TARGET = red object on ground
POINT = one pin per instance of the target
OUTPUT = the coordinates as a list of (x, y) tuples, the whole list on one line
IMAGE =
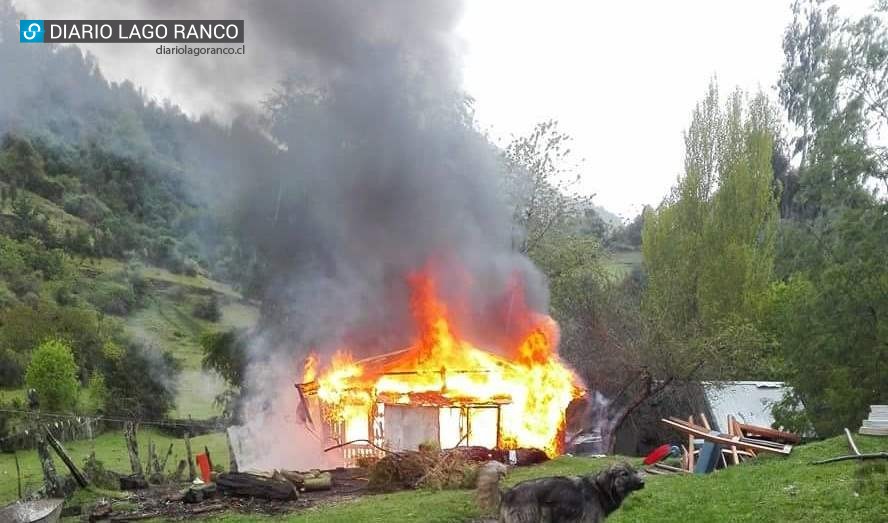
[(203, 461), (657, 454)]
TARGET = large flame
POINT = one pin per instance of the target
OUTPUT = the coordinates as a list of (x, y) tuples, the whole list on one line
[(529, 383)]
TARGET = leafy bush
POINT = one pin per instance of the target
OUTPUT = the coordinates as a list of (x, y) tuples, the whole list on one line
[(11, 368), (112, 297), (25, 327), (226, 353), (7, 297), (208, 309), (141, 382), (86, 206), (53, 374)]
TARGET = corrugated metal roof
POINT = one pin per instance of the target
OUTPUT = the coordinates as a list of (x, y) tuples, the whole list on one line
[(748, 401)]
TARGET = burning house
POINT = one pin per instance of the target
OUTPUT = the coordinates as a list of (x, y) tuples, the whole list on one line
[(442, 389)]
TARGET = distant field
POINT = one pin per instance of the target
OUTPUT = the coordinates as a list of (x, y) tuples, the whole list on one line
[(111, 450), (621, 263)]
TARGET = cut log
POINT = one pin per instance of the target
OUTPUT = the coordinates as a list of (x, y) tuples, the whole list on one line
[(253, 486), (306, 481), (66, 459), (323, 481)]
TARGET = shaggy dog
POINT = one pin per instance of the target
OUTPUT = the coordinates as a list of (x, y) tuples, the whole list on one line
[(581, 499)]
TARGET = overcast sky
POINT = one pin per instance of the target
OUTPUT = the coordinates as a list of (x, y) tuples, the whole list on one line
[(621, 77)]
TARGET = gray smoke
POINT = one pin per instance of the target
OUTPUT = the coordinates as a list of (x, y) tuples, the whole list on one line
[(374, 171)]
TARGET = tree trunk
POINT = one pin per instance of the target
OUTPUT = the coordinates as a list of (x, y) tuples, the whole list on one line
[(132, 448), (53, 483)]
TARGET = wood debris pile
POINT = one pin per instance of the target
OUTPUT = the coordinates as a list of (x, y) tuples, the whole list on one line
[(708, 449)]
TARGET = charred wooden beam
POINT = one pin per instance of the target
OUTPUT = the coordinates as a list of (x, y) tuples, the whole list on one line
[(255, 486)]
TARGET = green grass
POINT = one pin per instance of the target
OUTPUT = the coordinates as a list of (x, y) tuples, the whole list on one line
[(767, 489), (111, 450), (7, 395), (621, 263)]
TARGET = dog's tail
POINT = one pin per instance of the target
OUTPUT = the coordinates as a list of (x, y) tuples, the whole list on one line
[(489, 476)]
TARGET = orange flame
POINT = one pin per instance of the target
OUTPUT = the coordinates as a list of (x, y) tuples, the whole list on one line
[(531, 386)]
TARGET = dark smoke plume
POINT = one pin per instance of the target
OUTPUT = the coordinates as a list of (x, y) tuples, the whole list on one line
[(373, 170)]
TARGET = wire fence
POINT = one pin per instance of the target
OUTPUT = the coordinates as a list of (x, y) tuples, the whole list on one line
[(21, 470)]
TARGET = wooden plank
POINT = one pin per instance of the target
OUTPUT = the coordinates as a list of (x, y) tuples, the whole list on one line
[(670, 468), (691, 446), (769, 433), (734, 455), (851, 442), (709, 456), (724, 439), (705, 421)]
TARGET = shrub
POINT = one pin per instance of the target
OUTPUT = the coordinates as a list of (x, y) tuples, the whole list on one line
[(113, 298), (53, 374), (141, 382), (11, 369), (208, 309), (86, 206)]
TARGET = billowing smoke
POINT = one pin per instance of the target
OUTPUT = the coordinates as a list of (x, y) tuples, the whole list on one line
[(380, 174), (374, 171)]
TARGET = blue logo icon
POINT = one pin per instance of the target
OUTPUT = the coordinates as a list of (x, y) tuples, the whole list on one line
[(30, 31)]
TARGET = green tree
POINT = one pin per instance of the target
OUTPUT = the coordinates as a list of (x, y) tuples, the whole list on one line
[(708, 249), (53, 374), (538, 184), (828, 312)]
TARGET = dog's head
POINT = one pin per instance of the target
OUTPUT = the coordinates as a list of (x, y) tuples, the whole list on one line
[(625, 479)]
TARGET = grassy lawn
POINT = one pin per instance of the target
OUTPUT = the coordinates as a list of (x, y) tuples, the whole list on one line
[(768, 489), (111, 450)]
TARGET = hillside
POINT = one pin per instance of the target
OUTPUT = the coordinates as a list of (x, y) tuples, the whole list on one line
[(163, 317)]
